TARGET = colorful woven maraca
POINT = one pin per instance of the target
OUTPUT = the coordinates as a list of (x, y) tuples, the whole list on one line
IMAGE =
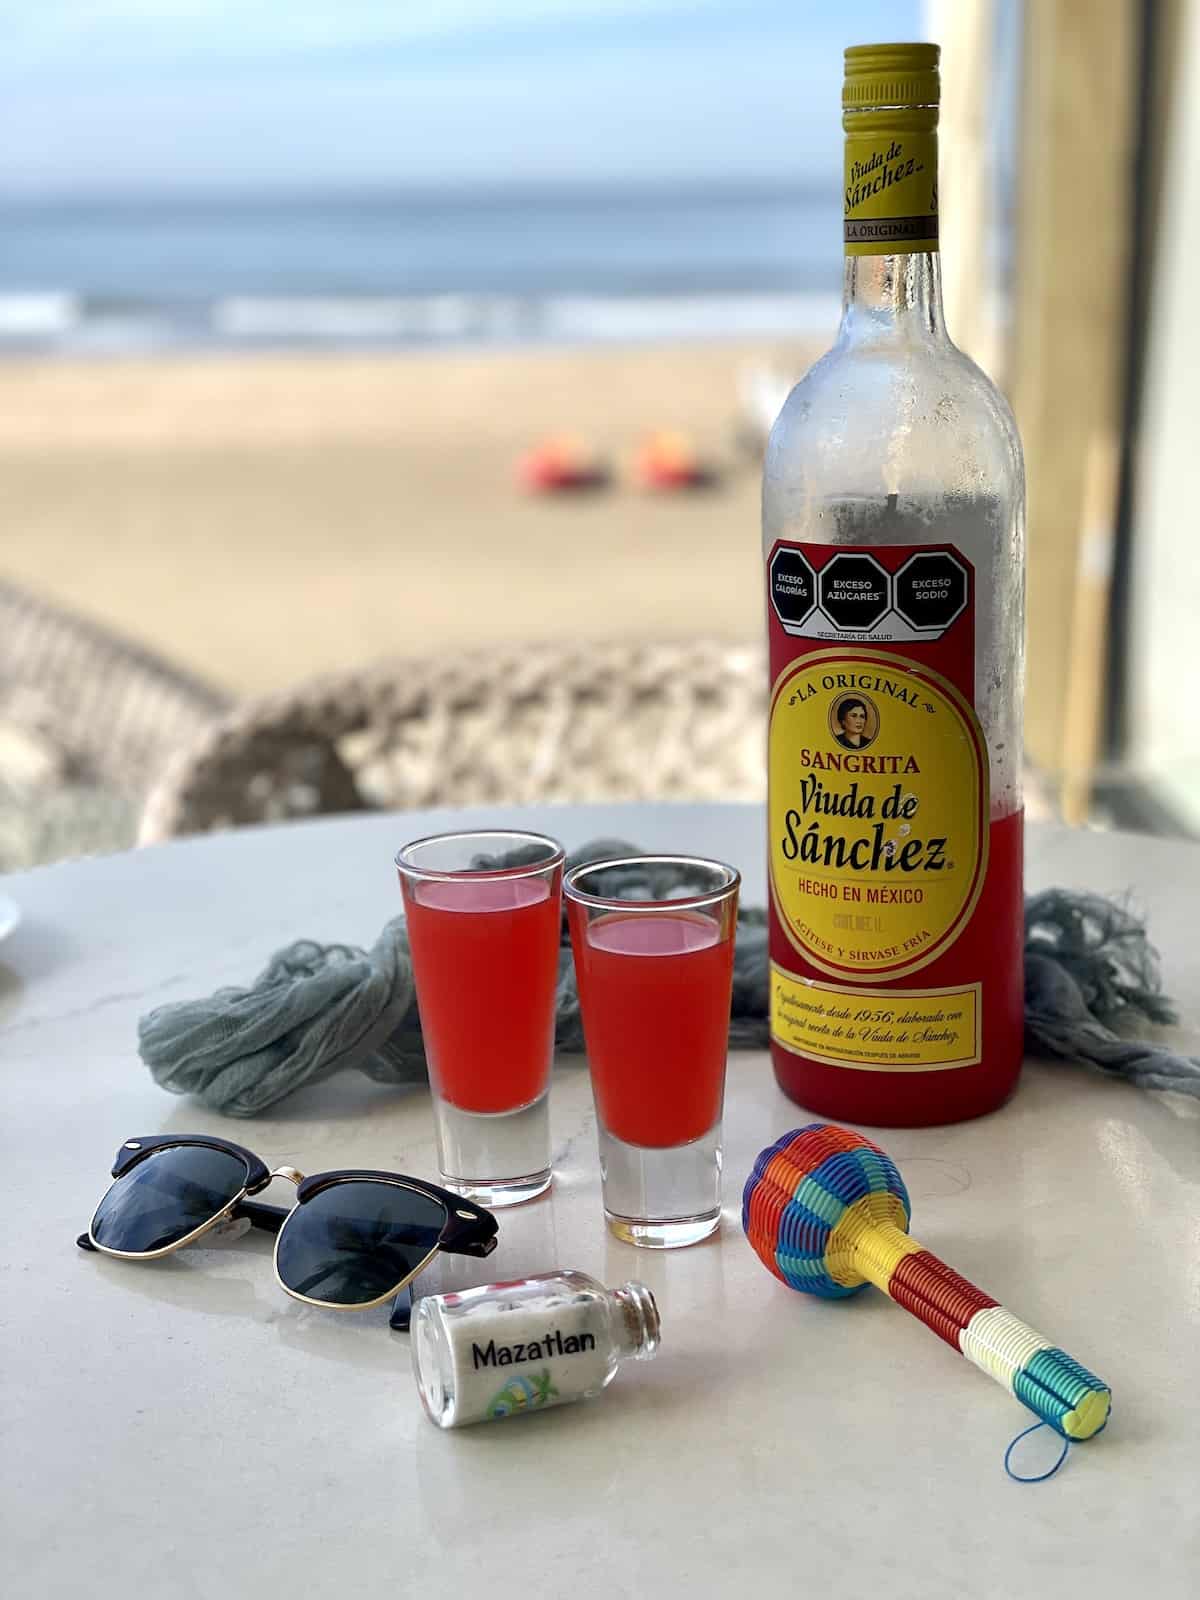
[(827, 1211)]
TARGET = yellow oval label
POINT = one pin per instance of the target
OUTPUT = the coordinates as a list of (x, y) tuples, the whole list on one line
[(878, 811)]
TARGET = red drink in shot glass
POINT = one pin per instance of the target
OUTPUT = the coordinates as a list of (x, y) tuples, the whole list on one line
[(484, 916), (653, 939)]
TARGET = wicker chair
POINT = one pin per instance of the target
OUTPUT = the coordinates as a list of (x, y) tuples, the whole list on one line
[(87, 721), (512, 725)]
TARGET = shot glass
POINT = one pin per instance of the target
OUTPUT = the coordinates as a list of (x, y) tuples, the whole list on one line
[(484, 914), (653, 941)]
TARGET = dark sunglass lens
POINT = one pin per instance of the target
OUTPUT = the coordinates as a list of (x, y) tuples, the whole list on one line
[(356, 1241), (167, 1196)]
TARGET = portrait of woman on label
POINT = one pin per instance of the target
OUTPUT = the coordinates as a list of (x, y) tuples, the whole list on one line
[(853, 721)]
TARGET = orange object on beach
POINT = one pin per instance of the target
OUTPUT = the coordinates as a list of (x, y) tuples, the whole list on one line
[(561, 462), (668, 460)]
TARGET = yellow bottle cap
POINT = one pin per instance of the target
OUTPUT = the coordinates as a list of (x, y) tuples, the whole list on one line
[(882, 76)]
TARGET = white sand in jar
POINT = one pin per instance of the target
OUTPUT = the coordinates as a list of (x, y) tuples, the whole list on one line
[(513, 1348)]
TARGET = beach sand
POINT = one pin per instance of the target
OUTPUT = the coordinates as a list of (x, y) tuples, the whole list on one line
[(261, 519)]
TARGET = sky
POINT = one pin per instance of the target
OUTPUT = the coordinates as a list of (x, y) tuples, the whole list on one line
[(106, 97)]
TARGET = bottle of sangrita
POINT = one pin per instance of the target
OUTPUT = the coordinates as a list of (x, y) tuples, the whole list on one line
[(893, 537)]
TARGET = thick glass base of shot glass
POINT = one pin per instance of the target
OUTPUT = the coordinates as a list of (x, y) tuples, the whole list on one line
[(498, 1158), (659, 1198)]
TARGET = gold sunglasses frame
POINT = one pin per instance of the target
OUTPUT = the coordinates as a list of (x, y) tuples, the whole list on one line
[(249, 1188)]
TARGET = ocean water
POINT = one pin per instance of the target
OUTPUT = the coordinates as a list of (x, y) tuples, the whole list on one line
[(417, 270)]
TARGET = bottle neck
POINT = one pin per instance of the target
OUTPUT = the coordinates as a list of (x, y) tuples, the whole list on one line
[(893, 286), (634, 1321), (897, 297)]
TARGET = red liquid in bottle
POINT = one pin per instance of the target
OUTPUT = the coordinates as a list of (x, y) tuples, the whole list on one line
[(655, 991), (485, 955), (991, 948)]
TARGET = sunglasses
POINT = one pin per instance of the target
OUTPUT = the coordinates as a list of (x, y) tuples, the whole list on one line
[(352, 1240)]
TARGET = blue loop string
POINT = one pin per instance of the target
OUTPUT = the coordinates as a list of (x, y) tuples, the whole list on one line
[(1041, 1476)]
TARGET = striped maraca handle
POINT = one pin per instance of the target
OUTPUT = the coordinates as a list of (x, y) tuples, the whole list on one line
[(1043, 1377)]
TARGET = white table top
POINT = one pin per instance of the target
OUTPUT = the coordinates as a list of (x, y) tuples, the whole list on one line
[(188, 1427)]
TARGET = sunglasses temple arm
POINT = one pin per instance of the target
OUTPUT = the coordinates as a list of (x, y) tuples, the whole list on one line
[(402, 1307), (269, 1218), (473, 1247)]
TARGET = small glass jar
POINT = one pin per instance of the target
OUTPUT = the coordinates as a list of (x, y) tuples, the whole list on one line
[(511, 1348)]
